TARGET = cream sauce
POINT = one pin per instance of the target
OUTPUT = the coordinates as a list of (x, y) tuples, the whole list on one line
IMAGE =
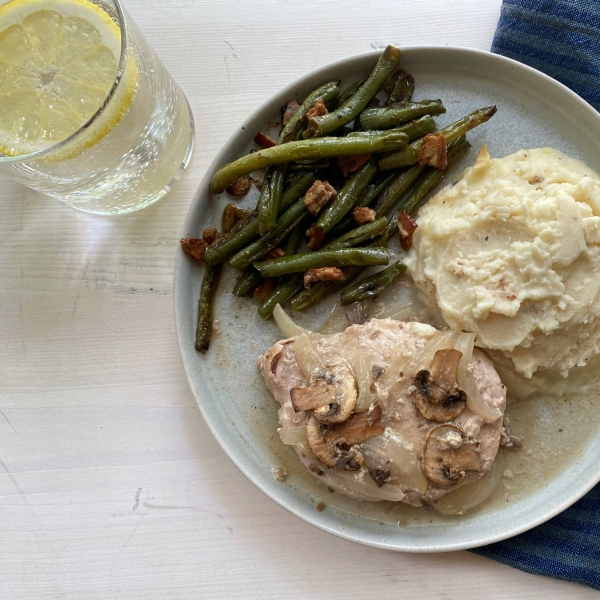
[(554, 430)]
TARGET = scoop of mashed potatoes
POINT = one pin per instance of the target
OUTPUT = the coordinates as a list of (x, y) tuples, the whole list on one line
[(511, 252)]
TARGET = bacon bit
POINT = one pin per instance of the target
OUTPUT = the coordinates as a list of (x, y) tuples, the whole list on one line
[(316, 235), (349, 164), (195, 247), (210, 234), (264, 290), (318, 110), (288, 111), (323, 274), (363, 214), (406, 228), (264, 141), (318, 195), (241, 186), (433, 151), (275, 253)]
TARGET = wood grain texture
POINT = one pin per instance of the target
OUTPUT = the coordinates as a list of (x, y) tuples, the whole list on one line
[(111, 485)]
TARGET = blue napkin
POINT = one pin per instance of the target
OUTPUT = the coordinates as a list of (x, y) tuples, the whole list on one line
[(562, 39), (558, 37), (565, 547)]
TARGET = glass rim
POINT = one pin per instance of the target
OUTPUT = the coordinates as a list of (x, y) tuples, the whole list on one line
[(4, 158)]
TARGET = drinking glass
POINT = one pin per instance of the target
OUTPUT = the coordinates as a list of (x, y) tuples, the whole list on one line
[(134, 147)]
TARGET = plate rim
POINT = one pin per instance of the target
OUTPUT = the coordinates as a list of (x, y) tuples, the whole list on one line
[(180, 256)]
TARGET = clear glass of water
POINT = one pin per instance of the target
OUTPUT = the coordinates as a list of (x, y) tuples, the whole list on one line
[(129, 150)]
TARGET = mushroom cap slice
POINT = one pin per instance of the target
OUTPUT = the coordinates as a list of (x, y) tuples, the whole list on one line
[(331, 393), (336, 445), (437, 395), (448, 454)]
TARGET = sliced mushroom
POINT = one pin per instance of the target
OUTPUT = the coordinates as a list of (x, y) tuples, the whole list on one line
[(380, 475), (448, 454), (437, 395), (336, 446), (507, 440), (331, 393)]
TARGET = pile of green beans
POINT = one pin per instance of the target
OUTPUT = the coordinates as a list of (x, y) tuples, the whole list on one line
[(375, 118)]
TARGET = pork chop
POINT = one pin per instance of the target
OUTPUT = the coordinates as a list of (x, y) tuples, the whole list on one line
[(428, 425)]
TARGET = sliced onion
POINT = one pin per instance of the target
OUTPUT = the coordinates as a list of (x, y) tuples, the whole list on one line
[(364, 378), (470, 495), (440, 340), (403, 313), (307, 355), (289, 328), (293, 435), (466, 381), (392, 450), (401, 302)]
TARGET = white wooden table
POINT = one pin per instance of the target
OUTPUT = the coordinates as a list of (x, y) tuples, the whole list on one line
[(111, 485)]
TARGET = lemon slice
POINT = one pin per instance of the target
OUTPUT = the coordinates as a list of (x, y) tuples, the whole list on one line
[(58, 62)]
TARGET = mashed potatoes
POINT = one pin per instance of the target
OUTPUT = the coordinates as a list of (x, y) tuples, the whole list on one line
[(512, 253)]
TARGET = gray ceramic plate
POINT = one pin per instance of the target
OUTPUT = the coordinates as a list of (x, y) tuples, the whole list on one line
[(533, 111)]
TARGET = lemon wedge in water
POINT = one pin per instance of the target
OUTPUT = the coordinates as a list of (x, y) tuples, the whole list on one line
[(58, 62)]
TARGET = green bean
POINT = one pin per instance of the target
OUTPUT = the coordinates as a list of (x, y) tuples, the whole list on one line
[(312, 165), (347, 197), (414, 130), (263, 206), (429, 179), (246, 231), (375, 189), (286, 288), (291, 243), (247, 283), (229, 218), (390, 116), (350, 91), (357, 236), (297, 187), (316, 292), (403, 88), (371, 286), (270, 197), (328, 92), (346, 257), (418, 128), (286, 222), (293, 283), (287, 285), (310, 296), (409, 155), (204, 328), (242, 213), (372, 193), (397, 188), (319, 126), (344, 131), (305, 150)]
